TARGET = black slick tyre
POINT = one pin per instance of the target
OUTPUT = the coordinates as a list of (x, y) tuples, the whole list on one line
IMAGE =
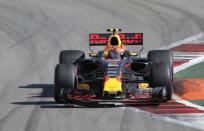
[(65, 78), (160, 76), (161, 71)]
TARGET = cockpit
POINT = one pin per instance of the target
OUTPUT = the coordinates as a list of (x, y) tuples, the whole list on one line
[(114, 41)]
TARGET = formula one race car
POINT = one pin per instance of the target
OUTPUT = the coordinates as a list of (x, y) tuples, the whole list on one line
[(115, 73)]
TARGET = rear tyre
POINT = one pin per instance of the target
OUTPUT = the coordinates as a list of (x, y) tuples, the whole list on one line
[(161, 72), (65, 78), (70, 56)]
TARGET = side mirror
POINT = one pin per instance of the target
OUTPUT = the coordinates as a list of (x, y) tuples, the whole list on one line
[(133, 54), (93, 54)]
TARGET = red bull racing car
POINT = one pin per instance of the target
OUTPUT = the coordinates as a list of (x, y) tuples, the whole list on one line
[(114, 73)]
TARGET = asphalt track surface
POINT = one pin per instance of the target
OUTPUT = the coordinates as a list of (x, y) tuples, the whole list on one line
[(32, 32)]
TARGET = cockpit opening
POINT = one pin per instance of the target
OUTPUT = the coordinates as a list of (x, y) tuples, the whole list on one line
[(114, 41)]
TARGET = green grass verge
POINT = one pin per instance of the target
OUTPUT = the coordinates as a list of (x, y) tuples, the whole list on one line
[(198, 102)]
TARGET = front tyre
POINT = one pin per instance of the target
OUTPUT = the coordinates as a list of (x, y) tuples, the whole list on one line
[(160, 76), (65, 77)]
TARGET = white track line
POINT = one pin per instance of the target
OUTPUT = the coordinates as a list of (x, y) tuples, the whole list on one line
[(189, 64), (186, 40), (165, 118)]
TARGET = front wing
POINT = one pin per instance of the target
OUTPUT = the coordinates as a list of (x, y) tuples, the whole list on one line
[(82, 95)]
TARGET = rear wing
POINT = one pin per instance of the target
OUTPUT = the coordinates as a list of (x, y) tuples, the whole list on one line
[(126, 38)]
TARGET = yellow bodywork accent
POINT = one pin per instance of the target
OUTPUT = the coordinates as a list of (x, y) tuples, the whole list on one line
[(93, 54), (133, 54), (143, 85), (112, 85), (83, 86)]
